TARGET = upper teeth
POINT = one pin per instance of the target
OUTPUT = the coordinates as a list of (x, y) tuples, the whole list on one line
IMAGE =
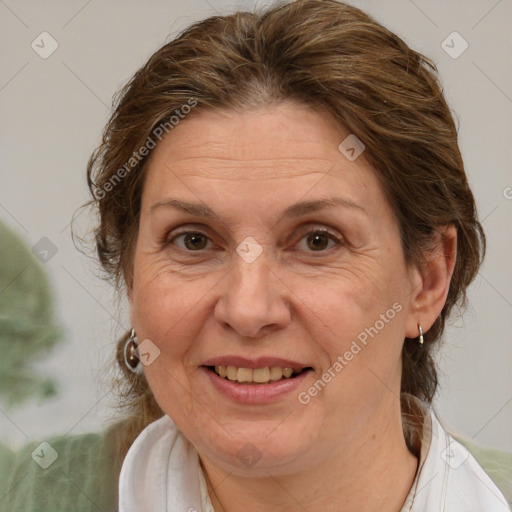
[(259, 375)]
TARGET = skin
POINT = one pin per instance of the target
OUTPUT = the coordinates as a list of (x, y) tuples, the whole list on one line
[(345, 448)]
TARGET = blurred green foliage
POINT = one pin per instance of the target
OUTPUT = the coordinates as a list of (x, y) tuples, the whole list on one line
[(28, 330)]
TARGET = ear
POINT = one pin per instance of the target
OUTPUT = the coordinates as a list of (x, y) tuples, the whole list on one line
[(432, 281)]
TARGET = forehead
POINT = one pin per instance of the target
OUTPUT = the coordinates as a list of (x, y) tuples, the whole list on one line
[(289, 150)]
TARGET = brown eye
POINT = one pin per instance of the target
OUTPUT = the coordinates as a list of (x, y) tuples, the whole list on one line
[(193, 241), (318, 240)]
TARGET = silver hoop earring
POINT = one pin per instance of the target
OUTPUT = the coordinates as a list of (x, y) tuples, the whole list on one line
[(421, 334), (131, 359)]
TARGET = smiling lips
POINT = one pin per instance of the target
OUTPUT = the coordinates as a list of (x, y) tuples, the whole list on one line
[(255, 381), (256, 375), (258, 371)]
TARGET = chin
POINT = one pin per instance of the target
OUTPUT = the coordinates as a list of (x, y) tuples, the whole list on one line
[(257, 448)]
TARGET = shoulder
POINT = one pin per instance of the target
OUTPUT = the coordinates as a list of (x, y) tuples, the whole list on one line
[(455, 480), (496, 464), (78, 472)]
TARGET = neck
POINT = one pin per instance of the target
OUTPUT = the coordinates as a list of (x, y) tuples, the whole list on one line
[(374, 473)]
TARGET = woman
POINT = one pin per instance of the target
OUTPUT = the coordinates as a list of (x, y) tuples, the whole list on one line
[(283, 199)]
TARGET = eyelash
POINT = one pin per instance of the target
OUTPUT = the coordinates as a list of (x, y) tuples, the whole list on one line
[(185, 231)]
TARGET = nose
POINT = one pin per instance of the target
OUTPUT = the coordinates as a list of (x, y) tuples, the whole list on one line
[(254, 299)]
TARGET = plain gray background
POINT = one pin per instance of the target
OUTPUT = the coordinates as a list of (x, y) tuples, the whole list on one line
[(53, 111)]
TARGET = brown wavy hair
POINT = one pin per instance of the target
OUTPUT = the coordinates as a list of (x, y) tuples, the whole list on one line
[(326, 55)]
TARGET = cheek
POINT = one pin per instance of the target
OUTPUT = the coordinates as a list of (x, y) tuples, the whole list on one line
[(342, 301), (356, 310), (164, 310), (163, 305)]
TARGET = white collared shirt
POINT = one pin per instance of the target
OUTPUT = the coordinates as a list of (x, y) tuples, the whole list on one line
[(449, 479), (161, 473)]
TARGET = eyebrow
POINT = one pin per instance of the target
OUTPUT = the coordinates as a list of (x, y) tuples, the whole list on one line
[(295, 210)]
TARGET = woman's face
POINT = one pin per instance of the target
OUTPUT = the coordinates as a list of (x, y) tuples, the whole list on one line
[(258, 274)]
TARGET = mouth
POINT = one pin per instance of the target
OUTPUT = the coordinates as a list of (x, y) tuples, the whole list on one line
[(256, 381), (257, 376)]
